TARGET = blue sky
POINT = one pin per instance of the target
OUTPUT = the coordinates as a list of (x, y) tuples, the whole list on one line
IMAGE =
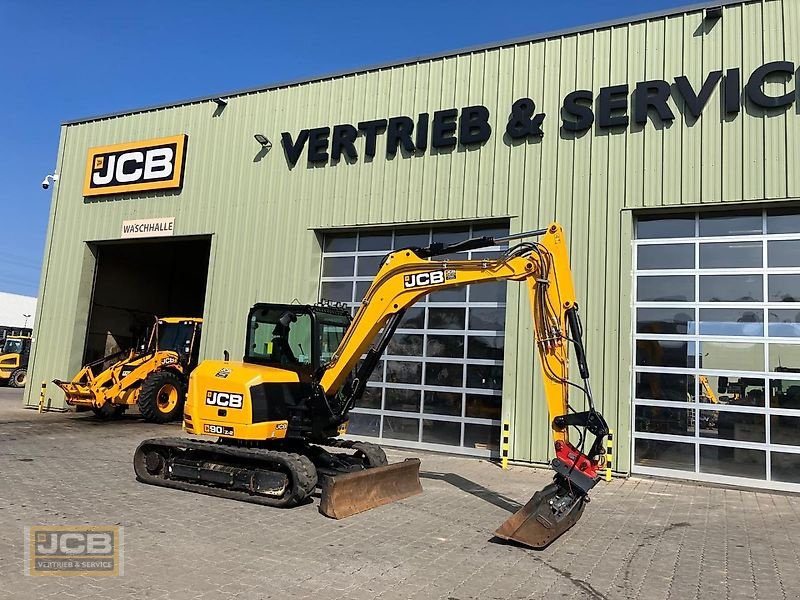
[(64, 60)]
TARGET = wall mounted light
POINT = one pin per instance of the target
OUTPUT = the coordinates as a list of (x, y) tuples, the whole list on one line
[(713, 13), (264, 141), (221, 102)]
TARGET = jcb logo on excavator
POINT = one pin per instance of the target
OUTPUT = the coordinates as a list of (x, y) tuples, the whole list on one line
[(420, 279), (223, 399), (429, 278)]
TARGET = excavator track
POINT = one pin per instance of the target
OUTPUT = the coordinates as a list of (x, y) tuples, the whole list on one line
[(259, 476)]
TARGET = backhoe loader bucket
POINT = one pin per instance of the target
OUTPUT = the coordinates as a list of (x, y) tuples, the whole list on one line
[(538, 523), (350, 493), (75, 392)]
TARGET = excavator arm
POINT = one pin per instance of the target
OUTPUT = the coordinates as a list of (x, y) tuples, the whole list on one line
[(407, 275)]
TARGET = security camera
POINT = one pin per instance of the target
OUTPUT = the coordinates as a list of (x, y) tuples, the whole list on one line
[(46, 180)]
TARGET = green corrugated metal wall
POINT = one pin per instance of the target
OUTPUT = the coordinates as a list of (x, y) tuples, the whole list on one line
[(261, 213)]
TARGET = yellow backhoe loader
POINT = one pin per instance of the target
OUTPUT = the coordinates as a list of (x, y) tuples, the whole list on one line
[(14, 360), (304, 367), (153, 376)]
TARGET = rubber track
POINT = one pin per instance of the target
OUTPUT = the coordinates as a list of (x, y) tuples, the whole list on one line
[(301, 471), (374, 454)]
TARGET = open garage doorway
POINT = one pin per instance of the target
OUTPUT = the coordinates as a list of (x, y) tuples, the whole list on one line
[(137, 281)]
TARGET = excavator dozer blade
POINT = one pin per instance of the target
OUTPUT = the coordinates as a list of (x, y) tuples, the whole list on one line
[(350, 493), (535, 524)]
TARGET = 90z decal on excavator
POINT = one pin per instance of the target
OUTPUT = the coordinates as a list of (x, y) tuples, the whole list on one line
[(217, 429), (429, 278), (223, 399)]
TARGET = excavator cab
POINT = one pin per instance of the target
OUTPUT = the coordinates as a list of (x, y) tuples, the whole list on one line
[(292, 336)]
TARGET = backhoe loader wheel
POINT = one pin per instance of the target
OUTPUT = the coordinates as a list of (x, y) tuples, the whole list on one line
[(108, 411), (18, 378), (161, 397)]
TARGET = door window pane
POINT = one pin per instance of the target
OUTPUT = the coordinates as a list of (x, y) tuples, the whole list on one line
[(727, 425), (445, 346), (375, 241), (411, 239), (665, 256), (338, 266), (337, 291), (655, 227), (361, 289), (786, 467), (784, 355), (784, 288), (480, 406), (488, 377), (413, 319), (487, 347), (738, 462), (665, 288), (736, 391), (663, 419), (402, 399), (340, 243), (726, 224), (401, 428), (443, 403), (783, 253), (488, 292), (664, 320), (403, 372), (444, 374), (368, 265), (446, 318), (731, 356), (484, 437), (784, 430), (441, 432), (665, 386), (450, 236), (731, 321), (664, 455), (785, 393), (371, 398), (731, 288), (783, 221), (664, 353), (492, 319), (730, 255), (784, 323), (458, 294), (363, 424), (405, 344)]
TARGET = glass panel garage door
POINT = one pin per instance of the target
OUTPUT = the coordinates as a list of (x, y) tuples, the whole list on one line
[(717, 347), (439, 383)]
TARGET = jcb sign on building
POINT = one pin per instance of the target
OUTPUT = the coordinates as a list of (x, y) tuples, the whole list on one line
[(135, 166)]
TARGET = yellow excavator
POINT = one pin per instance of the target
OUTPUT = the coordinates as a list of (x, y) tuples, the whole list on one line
[(274, 413), (14, 355), (154, 376)]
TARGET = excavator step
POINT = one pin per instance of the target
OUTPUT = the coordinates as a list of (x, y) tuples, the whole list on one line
[(347, 494), (547, 515)]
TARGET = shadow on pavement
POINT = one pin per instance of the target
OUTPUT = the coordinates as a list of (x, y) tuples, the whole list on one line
[(475, 489)]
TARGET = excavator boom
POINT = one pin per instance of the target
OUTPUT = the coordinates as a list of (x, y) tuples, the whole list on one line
[(407, 275)]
